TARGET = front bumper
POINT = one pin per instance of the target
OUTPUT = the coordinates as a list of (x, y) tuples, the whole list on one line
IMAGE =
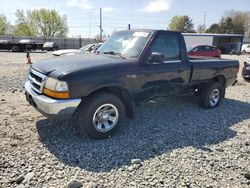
[(48, 106)]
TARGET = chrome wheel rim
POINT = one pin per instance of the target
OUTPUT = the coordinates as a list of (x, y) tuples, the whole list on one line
[(105, 118), (214, 97)]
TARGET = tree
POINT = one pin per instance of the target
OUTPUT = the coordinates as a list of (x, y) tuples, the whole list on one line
[(214, 28), (182, 24), (201, 29), (49, 23), (24, 25), (3, 24), (226, 25), (43, 22), (233, 22), (241, 21)]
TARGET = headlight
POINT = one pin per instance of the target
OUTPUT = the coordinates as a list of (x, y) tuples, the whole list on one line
[(56, 85), (56, 89)]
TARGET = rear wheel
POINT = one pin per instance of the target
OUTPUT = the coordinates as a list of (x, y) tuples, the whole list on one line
[(211, 95), (15, 48), (100, 116)]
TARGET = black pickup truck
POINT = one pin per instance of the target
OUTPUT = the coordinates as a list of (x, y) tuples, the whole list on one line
[(131, 67)]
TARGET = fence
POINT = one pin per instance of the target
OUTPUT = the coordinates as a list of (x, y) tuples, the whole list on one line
[(63, 43)]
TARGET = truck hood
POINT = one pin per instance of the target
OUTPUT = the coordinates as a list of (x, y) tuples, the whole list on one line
[(58, 66)]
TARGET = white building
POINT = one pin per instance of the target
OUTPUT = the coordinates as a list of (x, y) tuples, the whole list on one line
[(227, 43)]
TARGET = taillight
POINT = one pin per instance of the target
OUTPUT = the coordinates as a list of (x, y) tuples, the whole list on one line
[(238, 69)]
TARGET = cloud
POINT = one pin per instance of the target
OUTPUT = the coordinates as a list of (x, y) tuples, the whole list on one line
[(157, 6), (83, 4), (108, 9)]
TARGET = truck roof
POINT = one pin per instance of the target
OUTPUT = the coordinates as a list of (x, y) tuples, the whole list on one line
[(151, 30)]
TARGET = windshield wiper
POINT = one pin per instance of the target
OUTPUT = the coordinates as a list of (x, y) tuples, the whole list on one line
[(114, 53)]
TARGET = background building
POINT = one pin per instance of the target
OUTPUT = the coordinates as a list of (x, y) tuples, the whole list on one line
[(227, 43)]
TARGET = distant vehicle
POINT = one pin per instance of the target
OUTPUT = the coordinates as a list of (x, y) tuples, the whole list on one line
[(21, 46), (50, 46), (246, 69), (94, 48), (205, 50), (245, 48), (89, 48)]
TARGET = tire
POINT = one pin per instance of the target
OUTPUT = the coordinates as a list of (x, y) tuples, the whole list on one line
[(211, 95), (15, 48), (89, 116), (54, 49), (246, 79)]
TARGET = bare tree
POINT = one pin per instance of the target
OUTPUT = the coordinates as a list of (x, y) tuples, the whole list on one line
[(24, 25), (43, 22), (49, 23), (3, 24)]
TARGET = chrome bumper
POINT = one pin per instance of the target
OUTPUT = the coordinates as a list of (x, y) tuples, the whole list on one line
[(50, 107)]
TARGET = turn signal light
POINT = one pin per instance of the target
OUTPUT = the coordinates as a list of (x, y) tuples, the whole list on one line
[(55, 94)]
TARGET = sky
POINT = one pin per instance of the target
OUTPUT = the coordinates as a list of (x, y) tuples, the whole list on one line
[(83, 15)]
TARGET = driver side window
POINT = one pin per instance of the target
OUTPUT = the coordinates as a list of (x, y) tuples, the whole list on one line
[(168, 45)]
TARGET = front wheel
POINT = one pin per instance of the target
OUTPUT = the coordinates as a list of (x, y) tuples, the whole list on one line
[(211, 95), (246, 79), (100, 116)]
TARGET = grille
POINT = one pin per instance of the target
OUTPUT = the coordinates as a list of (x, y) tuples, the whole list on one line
[(36, 80)]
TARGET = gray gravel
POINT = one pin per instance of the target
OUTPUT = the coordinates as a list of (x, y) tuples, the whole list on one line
[(170, 143)]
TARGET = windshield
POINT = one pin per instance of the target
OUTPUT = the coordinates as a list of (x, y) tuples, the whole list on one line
[(126, 43)]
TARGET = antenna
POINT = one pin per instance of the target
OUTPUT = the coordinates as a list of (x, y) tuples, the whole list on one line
[(101, 25), (129, 26)]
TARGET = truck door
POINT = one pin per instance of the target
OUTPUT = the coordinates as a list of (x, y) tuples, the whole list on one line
[(169, 77)]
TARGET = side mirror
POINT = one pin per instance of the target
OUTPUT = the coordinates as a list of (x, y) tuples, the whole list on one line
[(157, 57)]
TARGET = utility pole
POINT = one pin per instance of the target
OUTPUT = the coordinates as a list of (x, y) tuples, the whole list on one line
[(100, 24), (90, 22), (204, 25)]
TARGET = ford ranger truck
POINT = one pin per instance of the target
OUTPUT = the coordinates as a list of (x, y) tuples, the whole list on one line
[(132, 66)]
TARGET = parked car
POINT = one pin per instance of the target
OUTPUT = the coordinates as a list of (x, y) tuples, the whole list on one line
[(205, 50), (246, 69), (132, 66), (84, 49), (87, 49), (50, 46), (245, 48)]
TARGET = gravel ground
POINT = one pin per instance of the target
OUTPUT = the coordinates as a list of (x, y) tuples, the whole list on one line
[(170, 143)]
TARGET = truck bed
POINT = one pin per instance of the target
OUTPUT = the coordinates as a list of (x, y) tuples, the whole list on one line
[(203, 69)]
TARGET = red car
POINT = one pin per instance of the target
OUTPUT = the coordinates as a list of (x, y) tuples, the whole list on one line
[(205, 50)]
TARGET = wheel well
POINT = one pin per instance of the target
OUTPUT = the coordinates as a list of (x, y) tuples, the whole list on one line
[(119, 92), (123, 94), (221, 79)]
